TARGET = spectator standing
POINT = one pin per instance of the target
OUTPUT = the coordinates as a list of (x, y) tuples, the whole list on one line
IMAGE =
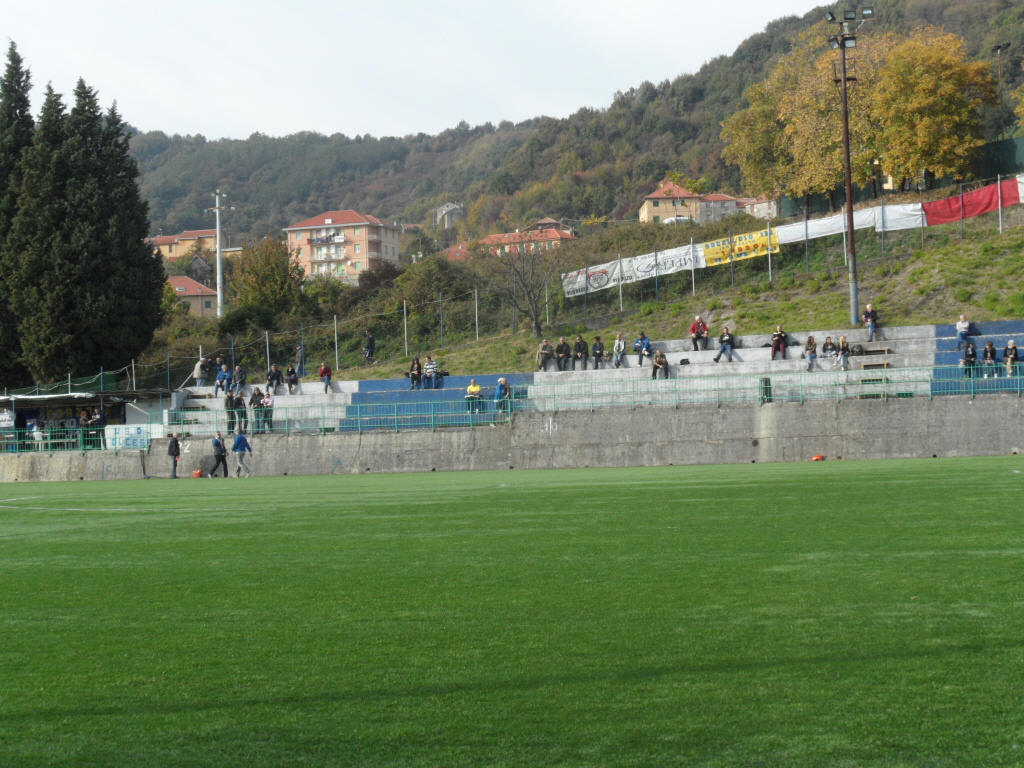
[(1011, 356), (597, 352), (200, 371), (659, 363), (580, 353), (174, 451), (544, 354), (563, 353), (643, 349), (810, 352), (431, 374), (229, 411), (473, 396), (256, 405), (291, 378), (618, 351), (725, 344), (415, 374), (274, 379), (963, 327), (241, 414), (240, 447), (870, 320), (779, 342), (698, 333), (325, 373), (220, 455), (970, 359), (300, 360), (843, 353), (268, 412), (502, 396)]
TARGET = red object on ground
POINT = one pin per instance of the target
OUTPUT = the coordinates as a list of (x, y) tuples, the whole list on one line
[(819, 457), (197, 473)]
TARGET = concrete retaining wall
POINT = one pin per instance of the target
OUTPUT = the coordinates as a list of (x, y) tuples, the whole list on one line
[(850, 429)]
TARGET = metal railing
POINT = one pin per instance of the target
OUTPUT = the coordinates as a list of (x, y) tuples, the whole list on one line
[(52, 440)]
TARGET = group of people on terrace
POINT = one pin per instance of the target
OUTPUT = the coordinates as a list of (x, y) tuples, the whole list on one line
[(989, 357)]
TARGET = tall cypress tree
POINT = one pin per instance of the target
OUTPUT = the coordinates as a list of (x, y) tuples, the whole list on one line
[(16, 127), (87, 288)]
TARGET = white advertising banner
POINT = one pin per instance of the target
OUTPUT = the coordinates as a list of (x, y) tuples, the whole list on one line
[(643, 267)]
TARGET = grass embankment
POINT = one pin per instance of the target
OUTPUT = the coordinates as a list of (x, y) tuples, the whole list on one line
[(797, 615)]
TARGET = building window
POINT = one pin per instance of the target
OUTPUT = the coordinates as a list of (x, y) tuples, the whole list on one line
[(207, 305), (657, 219), (357, 230), (359, 265), (655, 202), (359, 248)]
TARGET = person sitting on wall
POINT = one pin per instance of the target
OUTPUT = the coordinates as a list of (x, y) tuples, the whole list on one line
[(291, 378), (963, 328), (643, 348), (988, 358), (580, 353), (810, 352), (828, 349), (659, 363), (725, 344), (415, 374), (474, 398), (431, 374), (325, 373), (619, 351), (843, 353), (1011, 356), (274, 379), (223, 380), (698, 333), (563, 353), (597, 352), (779, 342)]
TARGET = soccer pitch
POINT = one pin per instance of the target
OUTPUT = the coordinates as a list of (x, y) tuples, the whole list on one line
[(830, 614)]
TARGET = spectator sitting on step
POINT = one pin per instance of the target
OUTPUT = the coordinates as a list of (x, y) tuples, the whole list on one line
[(415, 374), (1011, 356), (597, 352), (988, 357), (725, 344), (963, 327), (870, 320), (810, 352), (274, 379), (563, 353), (618, 351), (223, 381), (779, 342), (238, 380), (828, 349), (643, 348), (698, 333), (431, 374), (969, 360), (843, 353), (291, 378), (580, 353), (544, 354), (659, 363)]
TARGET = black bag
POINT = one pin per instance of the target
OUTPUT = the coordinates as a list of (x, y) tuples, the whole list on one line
[(685, 361), (857, 349)]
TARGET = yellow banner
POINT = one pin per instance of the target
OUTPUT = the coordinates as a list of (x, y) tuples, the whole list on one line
[(746, 246)]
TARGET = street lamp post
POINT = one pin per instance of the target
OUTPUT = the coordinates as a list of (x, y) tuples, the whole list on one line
[(843, 40), (217, 208)]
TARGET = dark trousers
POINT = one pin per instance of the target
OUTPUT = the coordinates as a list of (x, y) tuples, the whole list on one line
[(219, 460), (582, 361), (699, 342), (563, 363), (779, 346)]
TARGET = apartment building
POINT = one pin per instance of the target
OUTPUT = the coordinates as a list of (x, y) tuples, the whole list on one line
[(342, 244), (171, 247)]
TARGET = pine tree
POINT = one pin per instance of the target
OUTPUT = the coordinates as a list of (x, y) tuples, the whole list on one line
[(86, 288), (16, 127)]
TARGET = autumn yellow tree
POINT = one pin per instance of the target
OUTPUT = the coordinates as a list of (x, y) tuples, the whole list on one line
[(266, 275), (928, 100)]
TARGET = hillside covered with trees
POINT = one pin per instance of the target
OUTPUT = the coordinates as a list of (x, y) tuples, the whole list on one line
[(595, 163)]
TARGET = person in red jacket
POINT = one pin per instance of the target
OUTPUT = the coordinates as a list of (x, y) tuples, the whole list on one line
[(699, 333), (325, 373)]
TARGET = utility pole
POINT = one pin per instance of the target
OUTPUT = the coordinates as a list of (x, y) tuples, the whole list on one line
[(218, 196)]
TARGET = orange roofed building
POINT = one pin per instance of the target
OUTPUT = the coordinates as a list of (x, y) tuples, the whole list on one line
[(673, 203), (173, 246), (201, 301), (343, 244), (542, 235)]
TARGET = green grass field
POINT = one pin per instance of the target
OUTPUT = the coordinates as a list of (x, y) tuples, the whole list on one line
[(836, 614)]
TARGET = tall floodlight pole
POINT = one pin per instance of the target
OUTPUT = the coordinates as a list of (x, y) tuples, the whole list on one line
[(220, 263), (843, 40)]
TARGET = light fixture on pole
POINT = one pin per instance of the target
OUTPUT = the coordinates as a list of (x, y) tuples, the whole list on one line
[(847, 38)]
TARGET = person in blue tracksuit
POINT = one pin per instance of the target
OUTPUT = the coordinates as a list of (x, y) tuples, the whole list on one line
[(239, 448)]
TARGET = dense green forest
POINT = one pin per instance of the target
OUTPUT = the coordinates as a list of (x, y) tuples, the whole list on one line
[(595, 163)]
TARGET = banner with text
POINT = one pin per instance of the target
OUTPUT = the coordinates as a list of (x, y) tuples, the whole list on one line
[(643, 267), (746, 246)]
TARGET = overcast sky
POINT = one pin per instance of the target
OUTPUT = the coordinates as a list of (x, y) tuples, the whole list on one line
[(387, 68)]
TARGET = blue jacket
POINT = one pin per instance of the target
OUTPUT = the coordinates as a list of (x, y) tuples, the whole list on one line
[(224, 376), (241, 445), (218, 447), (501, 391), (642, 345)]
